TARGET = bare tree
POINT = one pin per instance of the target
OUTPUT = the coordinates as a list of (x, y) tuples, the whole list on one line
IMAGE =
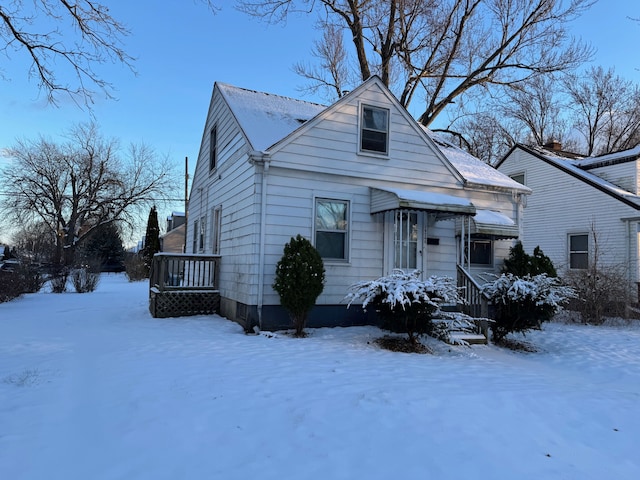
[(75, 187), (34, 30), (438, 51), (333, 72), (606, 110), (484, 135), (537, 105)]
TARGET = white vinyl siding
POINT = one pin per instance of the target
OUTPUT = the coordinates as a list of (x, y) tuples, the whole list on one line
[(213, 148), (320, 161), (561, 205)]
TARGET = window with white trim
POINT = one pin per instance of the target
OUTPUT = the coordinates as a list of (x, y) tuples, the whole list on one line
[(332, 228), (374, 129), (579, 251)]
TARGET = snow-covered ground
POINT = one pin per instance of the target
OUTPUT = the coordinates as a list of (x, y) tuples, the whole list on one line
[(92, 388)]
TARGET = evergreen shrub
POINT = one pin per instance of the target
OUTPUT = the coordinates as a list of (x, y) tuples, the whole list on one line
[(521, 264), (523, 303), (299, 280), (403, 302)]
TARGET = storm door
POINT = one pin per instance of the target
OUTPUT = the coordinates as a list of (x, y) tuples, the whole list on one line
[(405, 252)]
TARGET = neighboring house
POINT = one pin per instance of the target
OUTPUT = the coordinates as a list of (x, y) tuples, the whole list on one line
[(361, 179), (580, 207), (174, 239)]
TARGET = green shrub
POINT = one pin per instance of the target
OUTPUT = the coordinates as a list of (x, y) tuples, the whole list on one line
[(524, 303), (403, 302), (521, 264), (299, 280)]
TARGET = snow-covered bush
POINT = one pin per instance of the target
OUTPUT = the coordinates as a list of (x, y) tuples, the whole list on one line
[(523, 303), (299, 280), (85, 279), (403, 302), (19, 280), (59, 280)]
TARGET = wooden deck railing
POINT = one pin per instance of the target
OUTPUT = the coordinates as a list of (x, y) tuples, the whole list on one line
[(182, 272), (183, 284)]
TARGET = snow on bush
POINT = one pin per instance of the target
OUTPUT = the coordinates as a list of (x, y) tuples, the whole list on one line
[(525, 302), (403, 302)]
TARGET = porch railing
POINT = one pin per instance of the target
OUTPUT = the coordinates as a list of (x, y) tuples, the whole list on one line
[(475, 303), (183, 284)]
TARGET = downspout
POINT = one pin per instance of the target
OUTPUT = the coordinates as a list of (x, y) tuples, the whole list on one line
[(260, 158), (633, 266), (631, 247)]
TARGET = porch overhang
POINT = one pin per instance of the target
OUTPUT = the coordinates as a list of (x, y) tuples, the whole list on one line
[(384, 199), (493, 224)]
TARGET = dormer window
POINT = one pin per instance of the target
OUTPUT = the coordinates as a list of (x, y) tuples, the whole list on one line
[(374, 131)]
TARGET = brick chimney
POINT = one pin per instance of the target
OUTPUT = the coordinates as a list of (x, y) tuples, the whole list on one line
[(553, 145)]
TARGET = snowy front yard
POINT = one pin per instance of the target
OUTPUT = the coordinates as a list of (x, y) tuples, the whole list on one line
[(92, 387)]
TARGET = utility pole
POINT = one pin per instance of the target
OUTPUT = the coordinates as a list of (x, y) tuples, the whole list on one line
[(186, 202)]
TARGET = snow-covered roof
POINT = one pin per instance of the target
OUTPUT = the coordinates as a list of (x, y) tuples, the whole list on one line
[(610, 158), (474, 170), (574, 169), (386, 198), (267, 118), (490, 222)]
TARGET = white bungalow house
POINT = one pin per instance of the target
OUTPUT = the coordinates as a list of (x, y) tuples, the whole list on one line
[(580, 205), (370, 188)]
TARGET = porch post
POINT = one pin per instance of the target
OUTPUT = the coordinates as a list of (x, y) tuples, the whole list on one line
[(469, 243)]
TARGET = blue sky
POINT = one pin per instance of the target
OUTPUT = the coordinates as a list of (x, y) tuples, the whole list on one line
[(182, 49)]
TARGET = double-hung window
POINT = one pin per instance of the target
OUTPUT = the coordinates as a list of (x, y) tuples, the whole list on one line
[(332, 228), (374, 131), (579, 251)]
